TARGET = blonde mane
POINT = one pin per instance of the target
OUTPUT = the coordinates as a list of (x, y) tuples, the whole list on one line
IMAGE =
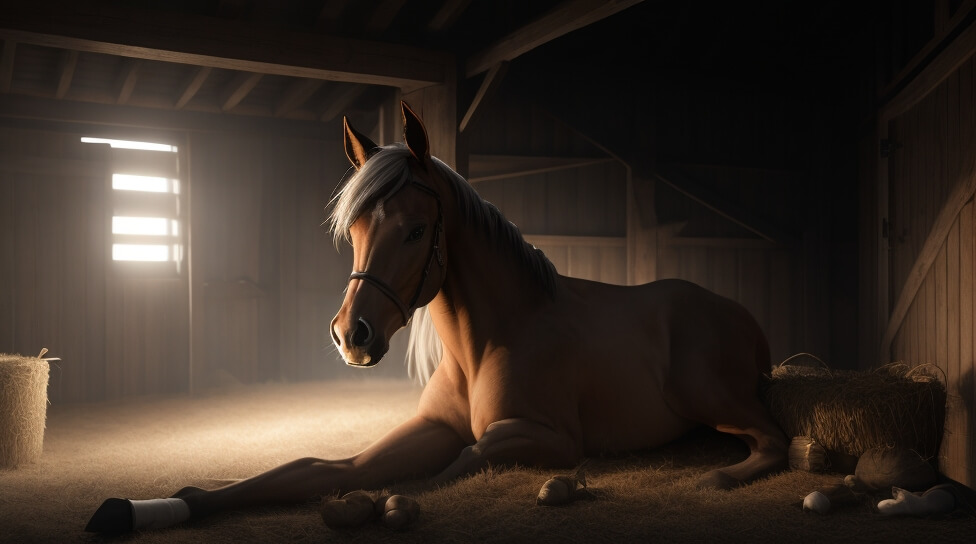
[(382, 176)]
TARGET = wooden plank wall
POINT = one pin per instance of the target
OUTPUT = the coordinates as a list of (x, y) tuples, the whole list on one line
[(765, 280), (146, 328), (936, 141), (267, 277), (578, 216), (118, 331), (313, 271), (52, 275), (760, 152)]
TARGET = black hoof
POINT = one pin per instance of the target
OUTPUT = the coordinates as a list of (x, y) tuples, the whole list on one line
[(114, 516)]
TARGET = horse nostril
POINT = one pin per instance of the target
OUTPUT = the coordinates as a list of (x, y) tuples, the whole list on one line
[(335, 336), (363, 334)]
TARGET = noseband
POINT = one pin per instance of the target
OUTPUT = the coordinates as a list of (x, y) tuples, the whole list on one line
[(435, 253)]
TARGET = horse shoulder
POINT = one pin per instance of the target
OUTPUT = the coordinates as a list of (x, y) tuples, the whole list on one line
[(445, 399)]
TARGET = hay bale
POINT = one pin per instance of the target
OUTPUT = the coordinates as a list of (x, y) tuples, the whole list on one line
[(850, 412), (23, 409), (806, 454)]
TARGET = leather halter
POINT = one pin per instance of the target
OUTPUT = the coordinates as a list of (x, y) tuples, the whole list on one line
[(435, 253)]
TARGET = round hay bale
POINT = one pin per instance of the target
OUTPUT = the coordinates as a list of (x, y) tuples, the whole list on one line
[(850, 412), (23, 409), (881, 468)]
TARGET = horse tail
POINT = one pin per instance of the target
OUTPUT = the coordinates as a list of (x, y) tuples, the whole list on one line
[(424, 347)]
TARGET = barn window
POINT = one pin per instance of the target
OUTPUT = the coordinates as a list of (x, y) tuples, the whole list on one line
[(145, 203)]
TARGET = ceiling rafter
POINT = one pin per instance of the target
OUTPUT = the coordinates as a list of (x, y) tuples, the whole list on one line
[(489, 87), (255, 38), (237, 89), (569, 16), (447, 15), (340, 101), (128, 77), (69, 61), (328, 18), (192, 86), (494, 167), (297, 94), (227, 44), (383, 15), (724, 207)]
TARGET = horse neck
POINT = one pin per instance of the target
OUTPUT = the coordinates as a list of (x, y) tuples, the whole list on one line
[(486, 284)]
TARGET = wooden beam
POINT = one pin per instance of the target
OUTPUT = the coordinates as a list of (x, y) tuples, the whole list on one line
[(237, 89), (7, 64), (383, 13), (492, 167), (297, 94), (719, 242), (669, 237), (447, 15), (192, 86), (575, 241), (569, 16), (328, 19), (489, 87), (340, 101), (916, 86), (69, 60), (128, 76), (729, 210), (16, 108), (226, 44), (965, 188), (757, 172)]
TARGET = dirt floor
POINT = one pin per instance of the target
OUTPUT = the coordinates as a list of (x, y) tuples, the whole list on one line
[(152, 447)]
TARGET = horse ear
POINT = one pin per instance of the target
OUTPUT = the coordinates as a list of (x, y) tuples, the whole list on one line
[(414, 134), (359, 148)]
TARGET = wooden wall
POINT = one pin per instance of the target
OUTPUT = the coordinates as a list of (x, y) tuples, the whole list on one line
[(267, 279), (118, 330), (577, 217), (52, 275), (931, 240), (597, 222)]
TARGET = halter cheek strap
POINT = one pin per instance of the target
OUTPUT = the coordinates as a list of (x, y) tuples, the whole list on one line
[(435, 253)]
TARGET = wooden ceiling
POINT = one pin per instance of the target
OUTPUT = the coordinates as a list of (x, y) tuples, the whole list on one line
[(300, 60)]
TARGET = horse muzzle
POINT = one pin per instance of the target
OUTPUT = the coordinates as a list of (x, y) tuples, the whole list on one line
[(359, 344)]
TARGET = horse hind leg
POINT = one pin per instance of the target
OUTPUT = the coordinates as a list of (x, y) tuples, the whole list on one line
[(750, 421)]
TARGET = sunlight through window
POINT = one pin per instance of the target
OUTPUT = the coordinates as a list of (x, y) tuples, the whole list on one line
[(140, 252), (128, 182), (146, 207), (128, 144), (154, 226)]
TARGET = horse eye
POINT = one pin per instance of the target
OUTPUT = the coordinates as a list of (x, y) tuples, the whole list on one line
[(415, 234)]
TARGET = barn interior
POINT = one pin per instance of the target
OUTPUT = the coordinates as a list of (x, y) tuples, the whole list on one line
[(814, 162)]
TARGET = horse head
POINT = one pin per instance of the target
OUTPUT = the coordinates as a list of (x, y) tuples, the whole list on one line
[(391, 213)]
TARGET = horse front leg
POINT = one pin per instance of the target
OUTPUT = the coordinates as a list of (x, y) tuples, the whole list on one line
[(415, 449), (514, 441)]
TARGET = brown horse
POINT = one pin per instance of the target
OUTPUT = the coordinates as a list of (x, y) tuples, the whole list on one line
[(536, 368)]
